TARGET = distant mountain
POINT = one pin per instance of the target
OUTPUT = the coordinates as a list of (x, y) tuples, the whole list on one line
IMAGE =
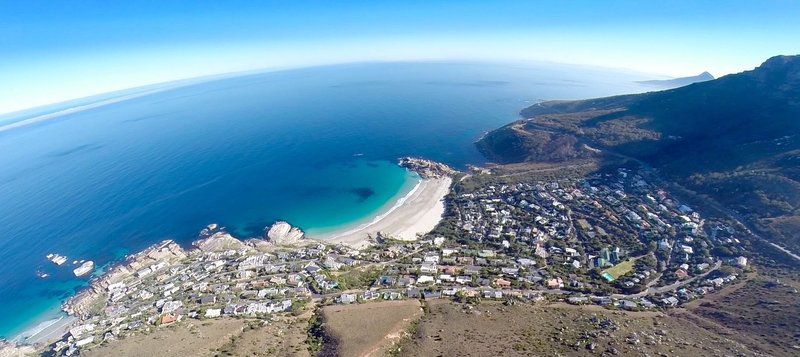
[(736, 138), (678, 82)]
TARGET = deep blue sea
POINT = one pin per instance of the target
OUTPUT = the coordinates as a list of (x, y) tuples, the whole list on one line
[(316, 147)]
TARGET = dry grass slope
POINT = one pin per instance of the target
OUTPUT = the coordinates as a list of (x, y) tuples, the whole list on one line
[(282, 336), (369, 329), (182, 339), (492, 329)]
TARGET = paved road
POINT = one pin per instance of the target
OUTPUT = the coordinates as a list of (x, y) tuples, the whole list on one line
[(787, 251)]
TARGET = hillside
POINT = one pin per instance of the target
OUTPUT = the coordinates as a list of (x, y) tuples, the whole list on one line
[(734, 138), (493, 329)]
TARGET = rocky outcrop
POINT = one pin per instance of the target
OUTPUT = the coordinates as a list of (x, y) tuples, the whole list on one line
[(210, 229), (282, 233), (427, 169), (261, 245), (85, 303), (11, 349), (220, 241), (167, 250)]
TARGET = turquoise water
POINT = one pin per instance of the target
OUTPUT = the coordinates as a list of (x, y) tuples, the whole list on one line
[(316, 147)]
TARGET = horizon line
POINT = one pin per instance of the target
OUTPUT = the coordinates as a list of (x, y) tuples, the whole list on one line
[(178, 83)]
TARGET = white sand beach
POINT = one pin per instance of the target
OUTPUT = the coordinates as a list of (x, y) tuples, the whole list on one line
[(416, 213), (47, 332)]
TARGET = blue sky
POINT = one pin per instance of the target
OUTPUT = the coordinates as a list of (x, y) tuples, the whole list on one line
[(52, 51)]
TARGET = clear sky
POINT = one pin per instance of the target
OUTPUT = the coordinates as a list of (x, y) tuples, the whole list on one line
[(53, 50)]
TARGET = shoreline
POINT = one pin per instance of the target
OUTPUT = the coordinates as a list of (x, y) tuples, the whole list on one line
[(338, 233), (415, 213), (47, 331), (418, 212)]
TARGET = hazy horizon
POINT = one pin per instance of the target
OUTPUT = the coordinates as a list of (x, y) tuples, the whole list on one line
[(144, 89), (61, 51)]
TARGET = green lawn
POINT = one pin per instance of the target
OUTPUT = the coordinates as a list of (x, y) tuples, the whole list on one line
[(620, 269)]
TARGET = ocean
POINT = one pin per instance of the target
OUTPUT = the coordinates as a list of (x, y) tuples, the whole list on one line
[(316, 147)]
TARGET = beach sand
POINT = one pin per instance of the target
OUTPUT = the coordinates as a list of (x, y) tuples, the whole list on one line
[(416, 213), (47, 332)]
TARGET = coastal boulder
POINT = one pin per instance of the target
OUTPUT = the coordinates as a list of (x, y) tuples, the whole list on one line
[(220, 241), (282, 233)]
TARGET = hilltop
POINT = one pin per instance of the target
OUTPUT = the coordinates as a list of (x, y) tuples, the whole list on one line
[(734, 139)]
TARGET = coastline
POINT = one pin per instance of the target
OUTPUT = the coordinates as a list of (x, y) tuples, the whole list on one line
[(325, 233), (414, 213), (368, 221), (418, 212), (46, 332), (34, 328)]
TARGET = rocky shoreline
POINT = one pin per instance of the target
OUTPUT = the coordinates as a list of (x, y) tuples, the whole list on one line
[(427, 169), (157, 259), (164, 253)]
